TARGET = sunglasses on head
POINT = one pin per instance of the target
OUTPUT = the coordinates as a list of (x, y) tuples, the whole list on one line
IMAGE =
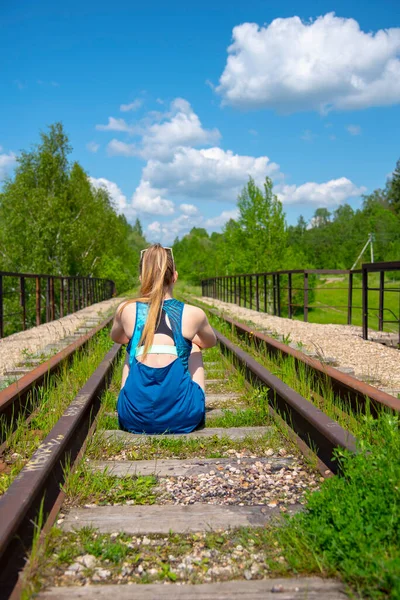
[(165, 248)]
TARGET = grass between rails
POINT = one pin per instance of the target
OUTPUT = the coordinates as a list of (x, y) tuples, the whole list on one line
[(52, 400)]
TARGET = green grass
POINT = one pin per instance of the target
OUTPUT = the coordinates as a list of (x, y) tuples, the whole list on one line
[(214, 447), (85, 486), (330, 304)]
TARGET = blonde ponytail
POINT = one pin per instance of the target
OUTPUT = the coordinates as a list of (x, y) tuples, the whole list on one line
[(157, 271)]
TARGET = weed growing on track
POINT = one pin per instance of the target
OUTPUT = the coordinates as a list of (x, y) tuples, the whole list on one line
[(52, 400), (85, 486)]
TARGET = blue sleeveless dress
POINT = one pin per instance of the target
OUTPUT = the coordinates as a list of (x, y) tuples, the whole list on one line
[(166, 399)]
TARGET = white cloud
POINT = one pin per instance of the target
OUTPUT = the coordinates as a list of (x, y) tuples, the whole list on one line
[(221, 219), (93, 147), (189, 209), (135, 105), (211, 173), (118, 148), (168, 231), (118, 198), (325, 64), (150, 201), (116, 125), (7, 162), (354, 129), (180, 126), (177, 171), (330, 193)]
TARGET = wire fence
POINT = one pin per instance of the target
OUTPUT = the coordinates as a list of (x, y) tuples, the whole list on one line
[(28, 299)]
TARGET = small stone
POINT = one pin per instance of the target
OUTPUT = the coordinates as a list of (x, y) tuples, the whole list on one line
[(140, 569), (247, 574), (74, 568), (146, 541), (103, 573), (88, 560), (152, 571), (277, 588)]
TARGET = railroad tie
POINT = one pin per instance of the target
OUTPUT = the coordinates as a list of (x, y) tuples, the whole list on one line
[(295, 588), (232, 433)]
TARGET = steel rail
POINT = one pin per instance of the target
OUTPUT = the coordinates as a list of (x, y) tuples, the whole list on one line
[(321, 434), (348, 388), (16, 398), (37, 486)]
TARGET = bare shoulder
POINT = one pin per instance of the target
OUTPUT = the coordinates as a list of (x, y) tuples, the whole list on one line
[(195, 313), (126, 307)]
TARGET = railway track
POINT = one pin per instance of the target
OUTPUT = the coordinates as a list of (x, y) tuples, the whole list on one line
[(19, 398), (136, 509)]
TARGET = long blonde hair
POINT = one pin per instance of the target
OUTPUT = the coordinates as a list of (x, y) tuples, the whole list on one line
[(157, 271)]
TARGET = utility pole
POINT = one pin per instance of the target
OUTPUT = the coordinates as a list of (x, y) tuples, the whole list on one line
[(369, 241)]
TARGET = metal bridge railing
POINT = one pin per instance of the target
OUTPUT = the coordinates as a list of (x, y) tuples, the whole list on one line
[(294, 294), (29, 299)]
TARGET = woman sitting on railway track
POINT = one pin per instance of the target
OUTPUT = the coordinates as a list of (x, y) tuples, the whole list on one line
[(163, 379)]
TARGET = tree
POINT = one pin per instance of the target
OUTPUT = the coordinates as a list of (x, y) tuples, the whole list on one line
[(393, 190), (52, 220), (262, 223)]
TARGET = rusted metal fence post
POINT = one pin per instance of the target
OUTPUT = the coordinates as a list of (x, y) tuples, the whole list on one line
[(53, 306), (48, 300), (38, 299), (274, 291), (257, 296), (365, 302), (61, 297), (305, 296), (290, 296), (381, 299), (22, 301), (265, 293), (251, 292), (278, 293), (350, 299)]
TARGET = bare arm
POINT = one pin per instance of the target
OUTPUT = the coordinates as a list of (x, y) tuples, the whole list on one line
[(117, 331), (205, 336)]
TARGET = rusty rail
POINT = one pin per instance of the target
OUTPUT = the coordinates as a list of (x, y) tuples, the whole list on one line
[(37, 487), (348, 388), (314, 427), (29, 299)]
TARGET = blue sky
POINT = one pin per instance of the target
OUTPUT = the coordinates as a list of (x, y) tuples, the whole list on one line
[(172, 123)]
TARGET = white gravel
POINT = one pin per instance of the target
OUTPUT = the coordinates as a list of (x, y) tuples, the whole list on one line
[(342, 342)]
